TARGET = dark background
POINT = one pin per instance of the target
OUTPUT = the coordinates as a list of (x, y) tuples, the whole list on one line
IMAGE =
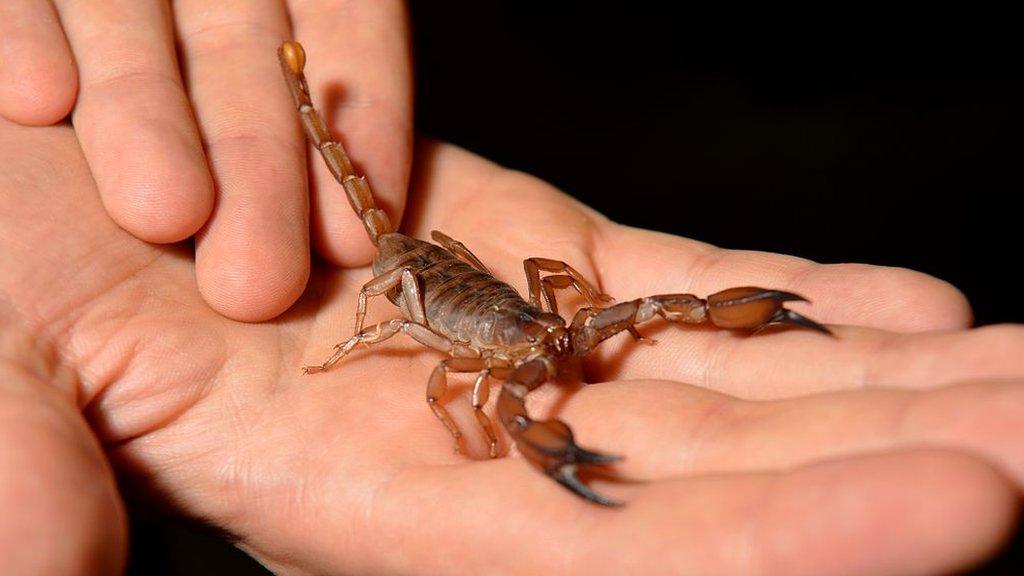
[(866, 136)]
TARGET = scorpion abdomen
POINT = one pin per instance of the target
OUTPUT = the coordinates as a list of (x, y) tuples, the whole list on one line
[(461, 301)]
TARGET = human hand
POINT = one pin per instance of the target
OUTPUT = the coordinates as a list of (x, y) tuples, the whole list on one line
[(186, 124), (892, 448)]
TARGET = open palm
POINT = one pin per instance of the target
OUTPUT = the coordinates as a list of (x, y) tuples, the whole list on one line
[(786, 451)]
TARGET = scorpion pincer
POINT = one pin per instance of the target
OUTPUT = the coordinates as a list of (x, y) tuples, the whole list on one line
[(450, 302)]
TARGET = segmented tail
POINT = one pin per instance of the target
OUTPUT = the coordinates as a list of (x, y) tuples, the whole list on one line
[(293, 60)]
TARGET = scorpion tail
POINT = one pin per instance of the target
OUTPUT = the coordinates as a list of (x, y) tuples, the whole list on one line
[(548, 445), (293, 60)]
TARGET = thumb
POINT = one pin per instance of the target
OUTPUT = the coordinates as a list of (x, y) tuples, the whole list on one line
[(60, 512)]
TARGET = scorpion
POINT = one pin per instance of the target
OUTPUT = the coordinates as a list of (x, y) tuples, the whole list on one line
[(452, 303)]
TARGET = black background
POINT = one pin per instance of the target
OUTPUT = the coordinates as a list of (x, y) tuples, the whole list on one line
[(865, 136)]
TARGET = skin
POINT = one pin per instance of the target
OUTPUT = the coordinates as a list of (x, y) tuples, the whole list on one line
[(892, 449), (181, 145)]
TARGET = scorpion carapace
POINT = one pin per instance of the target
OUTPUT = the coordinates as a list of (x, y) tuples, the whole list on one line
[(450, 302)]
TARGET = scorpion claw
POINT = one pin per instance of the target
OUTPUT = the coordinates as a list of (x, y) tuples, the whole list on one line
[(756, 308), (583, 456), (550, 446), (784, 316), (566, 476), (781, 296)]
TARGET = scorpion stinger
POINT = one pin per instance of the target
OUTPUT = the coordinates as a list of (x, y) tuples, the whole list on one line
[(451, 303)]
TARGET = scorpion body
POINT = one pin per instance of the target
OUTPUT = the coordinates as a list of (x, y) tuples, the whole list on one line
[(463, 302), (451, 302)]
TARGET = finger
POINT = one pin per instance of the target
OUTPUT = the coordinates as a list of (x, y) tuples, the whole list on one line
[(252, 259), (361, 80), (663, 428), (61, 510), (41, 204), (921, 512), (534, 218), (793, 362), (797, 361), (38, 80), (639, 263), (769, 365), (133, 118)]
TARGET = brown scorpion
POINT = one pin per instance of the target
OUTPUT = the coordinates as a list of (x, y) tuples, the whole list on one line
[(450, 302)]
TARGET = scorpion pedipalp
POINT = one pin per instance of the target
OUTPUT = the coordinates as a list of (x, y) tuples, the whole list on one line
[(548, 445)]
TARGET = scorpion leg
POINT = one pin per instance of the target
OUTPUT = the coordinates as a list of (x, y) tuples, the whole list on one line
[(438, 385), (459, 249), (548, 287), (378, 285), (548, 445), (481, 391), (381, 332), (412, 299), (562, 281), (748, 308), (534, 266)]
